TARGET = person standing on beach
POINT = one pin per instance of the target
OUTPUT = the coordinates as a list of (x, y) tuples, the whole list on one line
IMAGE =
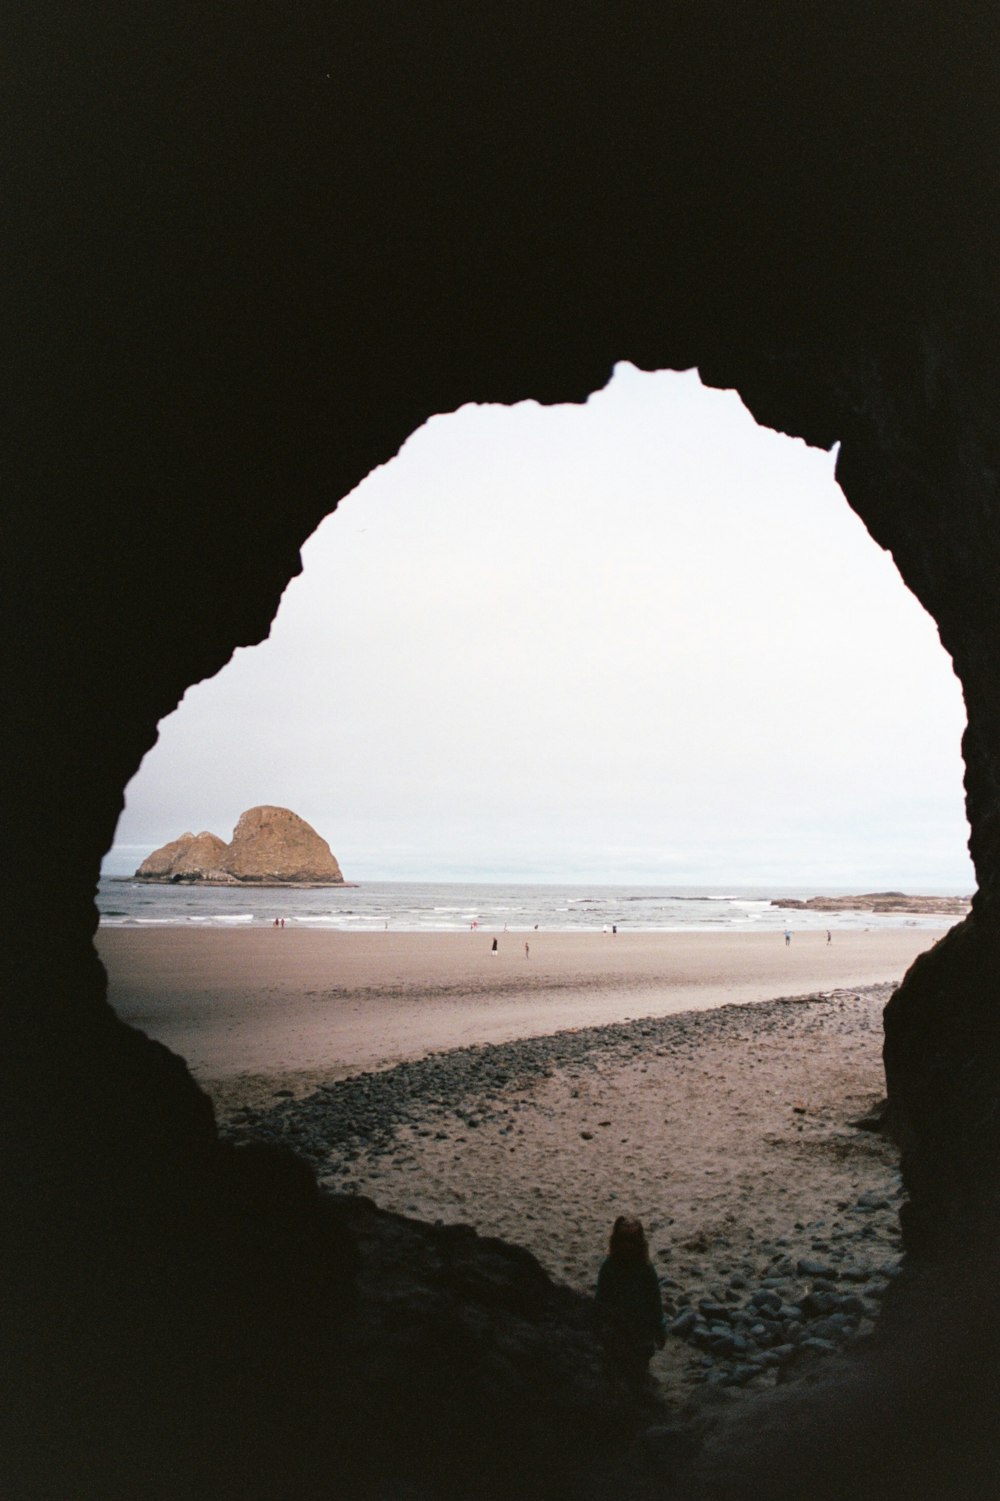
[(527, 951), (829, 936), (494, 947), (788, 937), (629, 1288)]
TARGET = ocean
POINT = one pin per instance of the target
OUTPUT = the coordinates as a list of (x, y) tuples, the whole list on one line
[(440, 907)]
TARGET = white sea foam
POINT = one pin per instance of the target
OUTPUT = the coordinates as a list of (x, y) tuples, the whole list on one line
[(453, 906)]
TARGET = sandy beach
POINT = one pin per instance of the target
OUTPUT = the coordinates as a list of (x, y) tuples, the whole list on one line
[(707, 1083), (248, 1008)]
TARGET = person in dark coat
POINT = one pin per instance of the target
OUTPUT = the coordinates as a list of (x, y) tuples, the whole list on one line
[(627, 1285)]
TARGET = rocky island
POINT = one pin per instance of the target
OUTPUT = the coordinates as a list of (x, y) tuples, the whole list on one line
[(270, 847), (880, 901)]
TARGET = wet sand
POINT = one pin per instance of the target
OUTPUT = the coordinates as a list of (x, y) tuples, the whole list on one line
[(307, 1006)]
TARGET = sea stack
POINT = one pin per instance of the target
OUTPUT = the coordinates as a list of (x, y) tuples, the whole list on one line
[(189, 858), (270, 847), (275, 844)]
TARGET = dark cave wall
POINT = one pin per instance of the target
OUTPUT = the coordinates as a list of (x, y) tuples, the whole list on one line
[(252, 250), (255, 251)]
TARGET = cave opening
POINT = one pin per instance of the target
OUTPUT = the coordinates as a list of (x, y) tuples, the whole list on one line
[(781, 716), (641, 639)]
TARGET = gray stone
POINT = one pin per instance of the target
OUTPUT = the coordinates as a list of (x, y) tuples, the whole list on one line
[(809, 1268), (813, 1305), (875, 1199), (818, 1346), (829, 1328), (713, 1310), (855, 1273), (871, 1201)]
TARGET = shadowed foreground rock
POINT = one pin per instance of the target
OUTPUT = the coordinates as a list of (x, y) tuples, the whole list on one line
[(301, 1344), (482, 1377), (912, 1414)]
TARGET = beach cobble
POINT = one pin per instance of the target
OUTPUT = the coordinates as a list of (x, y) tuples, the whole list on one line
[(747, 1334), (368, 1109), (743, 1318)]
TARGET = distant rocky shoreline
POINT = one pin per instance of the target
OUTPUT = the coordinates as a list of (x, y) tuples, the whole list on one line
[(879, 901)]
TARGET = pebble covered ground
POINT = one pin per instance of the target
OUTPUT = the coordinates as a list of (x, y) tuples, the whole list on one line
[(772, 1218)]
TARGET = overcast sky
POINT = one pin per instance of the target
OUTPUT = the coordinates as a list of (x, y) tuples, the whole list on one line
[(637, 640)]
